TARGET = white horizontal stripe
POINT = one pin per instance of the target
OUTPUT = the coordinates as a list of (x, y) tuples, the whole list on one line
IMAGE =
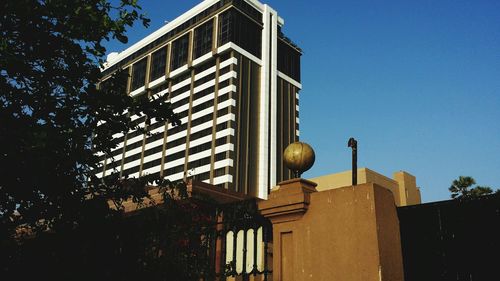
[(297, 132), (117, 135), (175, 149), (202, 59), (181, 108), (118, 147), (175, 177), (204, 73), (158, 130), (228, 75), (156, 82), (289, 79), (178, 71), (297, 120), (180, 97), (153, 144), (204, 86), (224, 147), (178, 135), (200, 155), (138, 91), (227, 89), (160, 93), (151, 170), (134, 117), (132, 164), (200, 141), (174, 163), (226, 103), (240, 50), (223, 179), (223, 163), (201, 169), (152, 157), (212, 69), (225, 132), (135, 139), (133, 151), (202, 126), (228, 62), (201, 113), (225, 118), (181, 84), (203, 99)]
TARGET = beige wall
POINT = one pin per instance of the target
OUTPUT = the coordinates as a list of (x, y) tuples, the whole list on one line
[(403, 186)]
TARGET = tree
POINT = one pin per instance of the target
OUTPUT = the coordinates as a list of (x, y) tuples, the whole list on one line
[(461, 188), (54, 119), (50, 58)]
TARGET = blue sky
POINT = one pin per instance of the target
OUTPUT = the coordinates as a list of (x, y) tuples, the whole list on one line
[(417, 83)]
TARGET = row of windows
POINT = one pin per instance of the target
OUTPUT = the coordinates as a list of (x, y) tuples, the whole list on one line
[(181, 28), (174, 170), (158, 63), (288, 60), (203, 39), (139, 74), (180, 48), (239, 29), (233, 27), (198, 163)]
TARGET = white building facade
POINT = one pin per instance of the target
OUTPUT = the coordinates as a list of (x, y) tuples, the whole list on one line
[(233, 78)]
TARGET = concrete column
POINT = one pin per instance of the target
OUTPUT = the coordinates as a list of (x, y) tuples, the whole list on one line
[(348, 234)]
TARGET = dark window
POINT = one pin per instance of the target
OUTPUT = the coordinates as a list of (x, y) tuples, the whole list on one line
[(204, 79), (220, 156), (158, 63), (174, 170), (202, 133), (288, 60), (203, 39), (219, 172), (206, 65), (202, 106), (239, 29), (179, 52), (200, 148), (139, 74)]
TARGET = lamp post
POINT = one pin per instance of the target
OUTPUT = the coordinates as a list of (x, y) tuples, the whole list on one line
[(352, 143)]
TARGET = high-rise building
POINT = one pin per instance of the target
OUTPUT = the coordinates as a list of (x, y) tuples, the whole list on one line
[(233, 78)]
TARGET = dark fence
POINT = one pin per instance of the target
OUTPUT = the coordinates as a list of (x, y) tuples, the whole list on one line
[(245, 238), (191, 240), (451, 240)]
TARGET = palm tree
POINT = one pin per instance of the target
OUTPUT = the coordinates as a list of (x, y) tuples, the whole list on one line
[(461, 189)]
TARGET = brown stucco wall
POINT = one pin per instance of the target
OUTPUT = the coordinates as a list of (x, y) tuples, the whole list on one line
[(348, 234)]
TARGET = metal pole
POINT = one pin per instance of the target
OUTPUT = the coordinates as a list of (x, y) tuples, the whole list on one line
[(352, 143)]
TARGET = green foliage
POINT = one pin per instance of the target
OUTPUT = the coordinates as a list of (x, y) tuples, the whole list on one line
[(461, 188), (50, 58), (51, 53)]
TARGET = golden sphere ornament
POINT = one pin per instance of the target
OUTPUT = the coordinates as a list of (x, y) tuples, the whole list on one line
[(298, 157)]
